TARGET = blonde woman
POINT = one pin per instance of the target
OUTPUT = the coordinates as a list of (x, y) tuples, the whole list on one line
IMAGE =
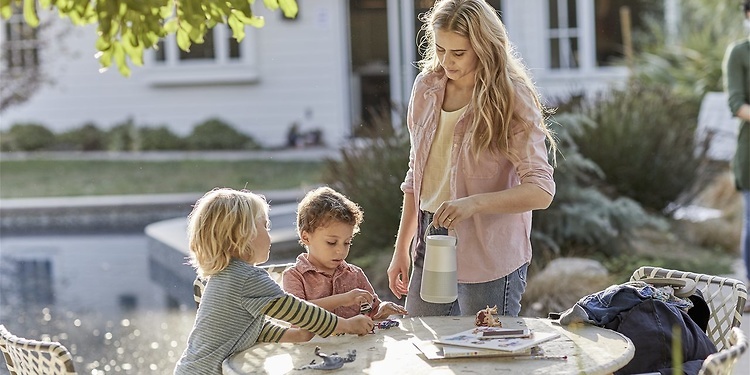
[(478, 163), (228, 237)]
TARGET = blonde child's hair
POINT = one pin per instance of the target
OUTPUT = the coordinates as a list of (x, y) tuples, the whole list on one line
[(500, 72), (321, 206), (221, 226)]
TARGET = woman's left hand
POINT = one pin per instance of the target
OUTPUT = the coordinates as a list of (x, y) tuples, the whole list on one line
[(450, 213)]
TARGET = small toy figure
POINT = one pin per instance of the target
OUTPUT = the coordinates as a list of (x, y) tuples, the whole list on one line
[(365, 308), (485, 318), (331, 361), (386, 324)]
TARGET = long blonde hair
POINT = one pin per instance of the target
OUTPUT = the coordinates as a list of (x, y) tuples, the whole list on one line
[(221, 226), (499, 72)]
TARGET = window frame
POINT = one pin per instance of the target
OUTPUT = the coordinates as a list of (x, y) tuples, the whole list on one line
[(20, 47), (174, 71)]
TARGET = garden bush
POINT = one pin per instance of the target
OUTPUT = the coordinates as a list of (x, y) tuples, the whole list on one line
[(643, 139), (582, 220), (160, 138), (86, 138), (124, 137), (215, 134), (29, 137)]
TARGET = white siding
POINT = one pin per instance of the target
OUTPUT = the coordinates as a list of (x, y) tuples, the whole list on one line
[(301, 64)]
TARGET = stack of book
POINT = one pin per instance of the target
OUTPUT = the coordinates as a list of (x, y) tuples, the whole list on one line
[(517, 341)]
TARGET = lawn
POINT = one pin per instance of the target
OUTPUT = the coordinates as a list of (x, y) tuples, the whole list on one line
[(50, 178)]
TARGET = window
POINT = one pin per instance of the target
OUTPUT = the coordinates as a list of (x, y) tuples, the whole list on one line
[(20, 45), (588, 34), (172, 66), (33, 279), (563, 34), (610, 41), (128, 302)]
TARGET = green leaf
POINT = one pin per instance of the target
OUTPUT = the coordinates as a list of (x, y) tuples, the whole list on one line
[(183, 40), (105, 58), (171, 26), (271, 4), (102, 45), (238, 28), (289, 7), (29, 13), (256, 21), (6, 11)]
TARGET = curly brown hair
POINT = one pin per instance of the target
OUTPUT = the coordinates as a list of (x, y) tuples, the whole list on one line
[(321, 206)]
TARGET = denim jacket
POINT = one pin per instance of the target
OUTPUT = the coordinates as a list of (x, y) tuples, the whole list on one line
[(646, 315)]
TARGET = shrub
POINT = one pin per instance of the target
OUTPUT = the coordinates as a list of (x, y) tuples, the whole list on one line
[(86, 138), (160, 138), (582, 221), (215, 134), (29, 137), (643, 139), (124, 137)]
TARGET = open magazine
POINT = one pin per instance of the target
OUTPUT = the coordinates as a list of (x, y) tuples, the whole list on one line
[(432, 350), (477, 338)]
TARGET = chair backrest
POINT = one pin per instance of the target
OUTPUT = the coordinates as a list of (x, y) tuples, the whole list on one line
[(31, 357), (722, 363), (274, 270), (724, 296)]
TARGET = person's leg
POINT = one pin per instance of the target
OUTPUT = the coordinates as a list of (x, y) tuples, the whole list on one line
[(415, 305), (505, 293)]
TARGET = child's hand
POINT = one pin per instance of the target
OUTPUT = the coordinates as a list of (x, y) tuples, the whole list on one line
[(360, 325), (357, 297), (388, 308)]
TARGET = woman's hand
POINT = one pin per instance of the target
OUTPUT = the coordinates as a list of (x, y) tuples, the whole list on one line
[(388, 308), (398, 273), (450, 213)]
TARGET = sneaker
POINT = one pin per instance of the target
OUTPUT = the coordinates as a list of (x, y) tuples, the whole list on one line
[(747, 307)]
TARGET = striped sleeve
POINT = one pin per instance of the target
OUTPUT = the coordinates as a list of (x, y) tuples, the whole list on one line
[(271, 332), (302, 314)]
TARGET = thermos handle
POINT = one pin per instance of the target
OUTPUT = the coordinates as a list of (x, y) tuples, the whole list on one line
[(427, 233)]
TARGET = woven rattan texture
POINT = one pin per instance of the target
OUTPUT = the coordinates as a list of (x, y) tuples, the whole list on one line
[(32, 357), (722, 363), (725, 298)]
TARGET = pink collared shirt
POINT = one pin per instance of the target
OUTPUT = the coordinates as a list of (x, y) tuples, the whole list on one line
[(490, 246), (305, 281)]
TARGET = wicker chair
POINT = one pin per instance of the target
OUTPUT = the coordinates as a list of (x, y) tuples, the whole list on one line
[(274, 270), (725, 298), (32, 357), (723, 362)]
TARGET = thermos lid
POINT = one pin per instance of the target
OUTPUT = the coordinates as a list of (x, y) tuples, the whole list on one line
[(441, 240)]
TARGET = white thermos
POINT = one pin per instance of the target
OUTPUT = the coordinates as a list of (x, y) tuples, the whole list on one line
[(439, 282)]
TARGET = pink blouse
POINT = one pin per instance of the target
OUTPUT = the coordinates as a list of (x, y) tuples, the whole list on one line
[(490, 246)]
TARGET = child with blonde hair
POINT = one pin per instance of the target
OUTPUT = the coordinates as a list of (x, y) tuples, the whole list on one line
[(228, 236), (326, 223)]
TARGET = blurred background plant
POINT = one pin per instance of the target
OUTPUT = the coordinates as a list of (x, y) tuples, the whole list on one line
[(211, 134)]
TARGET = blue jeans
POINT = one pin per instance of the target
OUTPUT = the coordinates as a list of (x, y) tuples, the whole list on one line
[(505, 292), (745, 240)]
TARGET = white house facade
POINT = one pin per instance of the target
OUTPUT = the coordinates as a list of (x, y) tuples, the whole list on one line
[(339, 61)]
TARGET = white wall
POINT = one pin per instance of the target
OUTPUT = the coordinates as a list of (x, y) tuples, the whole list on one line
[(301, 64)]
